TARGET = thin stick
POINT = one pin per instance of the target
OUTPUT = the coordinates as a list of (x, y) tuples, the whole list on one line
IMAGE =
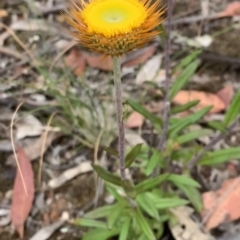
[(13, 146), (18, 40), (167, 105), (208, 147), (44, 139), (119, 110)]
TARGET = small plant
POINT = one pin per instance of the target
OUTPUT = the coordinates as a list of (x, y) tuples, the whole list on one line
[(151, 198)]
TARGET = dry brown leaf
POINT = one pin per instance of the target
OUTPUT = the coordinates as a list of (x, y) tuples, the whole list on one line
[(223, 204), (146, 53), (99, 61), (187, 228), (22, 201), (3, 13), (226, 94), (135, 120), (76, 62), (206, 99), (233, 9)]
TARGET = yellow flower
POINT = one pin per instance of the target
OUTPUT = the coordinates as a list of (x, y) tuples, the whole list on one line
[(114, 27)]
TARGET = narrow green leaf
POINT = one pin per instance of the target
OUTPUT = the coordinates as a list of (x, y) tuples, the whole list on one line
[(115, 214), (181, 179), (84, 222), (221, 156), (125, 230), (143, 224), (100, 234), (100, 212), (146, 204), (163, 203), (219, 126), (132, 155), (192, 194), (187, 121), (111, 151), (183, 78), (107, 176), (182, 108), (110, 188), (170, 203), (138, 108), (188, 137), (154, 161), (160, 230), (142, 237), (233, 110), (129, 188), (187, 60), (150, 183)]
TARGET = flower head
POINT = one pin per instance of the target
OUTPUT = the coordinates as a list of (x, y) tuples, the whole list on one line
[(114, 27)]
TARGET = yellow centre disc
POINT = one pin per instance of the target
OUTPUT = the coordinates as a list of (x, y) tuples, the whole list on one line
[(113, 17)]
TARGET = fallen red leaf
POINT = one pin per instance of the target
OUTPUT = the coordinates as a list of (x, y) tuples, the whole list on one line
[(76, 62), (233, 9), (22, 201), (223, 204), (206, 99), (135, 120), (99, 61), (226, 94), (146, 53)]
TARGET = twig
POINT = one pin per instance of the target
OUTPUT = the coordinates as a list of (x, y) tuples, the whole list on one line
[(119, 111), (53, 9), (193, 19), (168, 79), (18, 40), (208, 147), (10, 52), (45, 134)]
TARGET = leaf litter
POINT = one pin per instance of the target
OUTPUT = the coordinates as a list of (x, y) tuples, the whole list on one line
[(80, 61)]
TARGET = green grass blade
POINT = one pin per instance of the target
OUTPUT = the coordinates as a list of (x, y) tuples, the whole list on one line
[(100, 234), (181, 179), (233, 110), (187, 121), (107, 176), (125, 230), (188, 137), (100, 212), (185, 107), (84, 222), (221, 156), (151, 183), (192, 194), (183, 78), (143, 224), (151, 117), (146, 204), (115, 214), (154, 161), (187, 60), (132, 155)]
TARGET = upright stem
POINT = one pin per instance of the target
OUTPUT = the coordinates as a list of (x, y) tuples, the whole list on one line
[(167, 106), (119, 110)]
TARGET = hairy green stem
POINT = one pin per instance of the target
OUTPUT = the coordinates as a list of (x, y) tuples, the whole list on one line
[(119, 111)]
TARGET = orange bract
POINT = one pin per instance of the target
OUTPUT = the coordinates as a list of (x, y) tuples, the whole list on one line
[(114, 27)]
